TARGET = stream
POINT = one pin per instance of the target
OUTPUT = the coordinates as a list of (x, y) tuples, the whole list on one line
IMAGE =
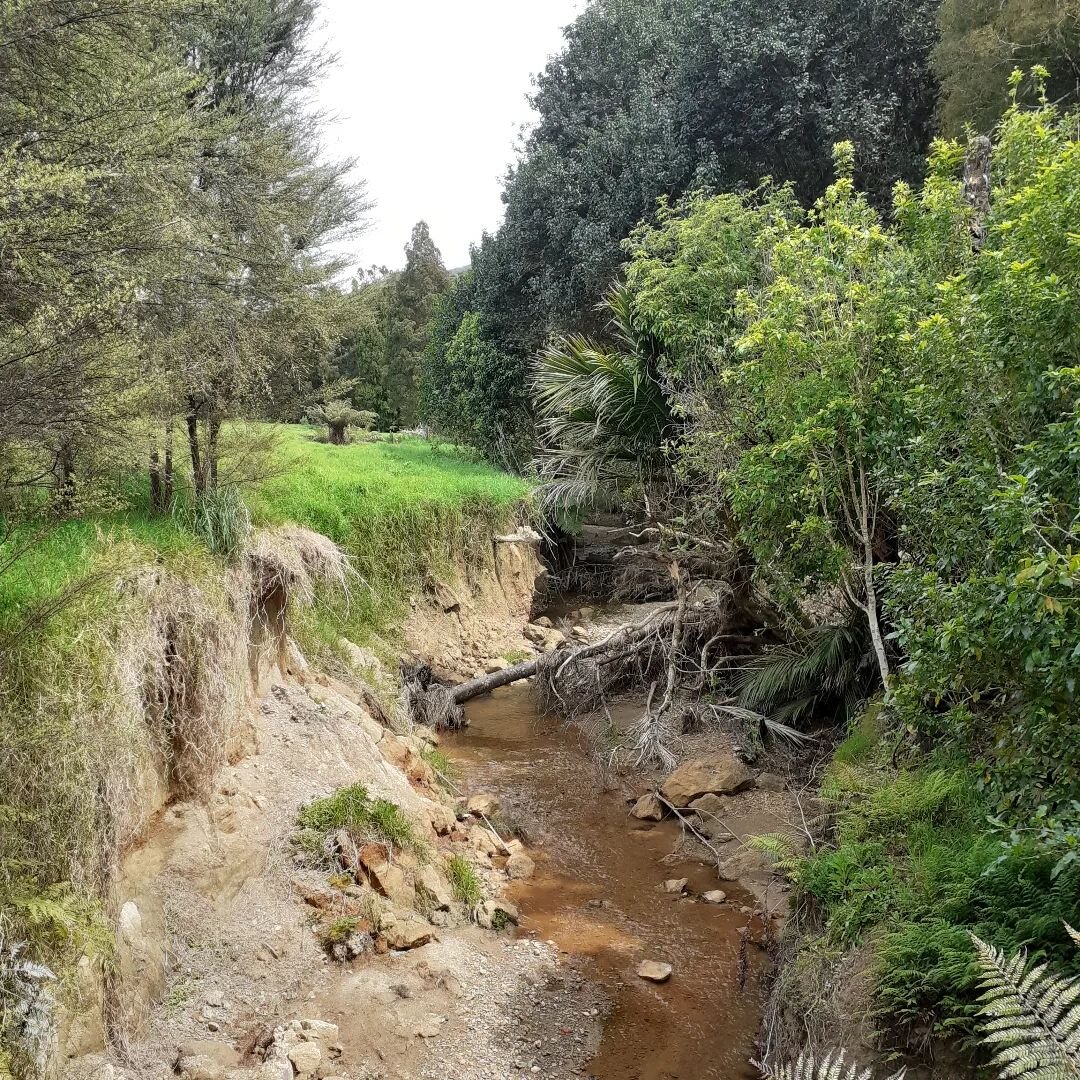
[(598, 893)]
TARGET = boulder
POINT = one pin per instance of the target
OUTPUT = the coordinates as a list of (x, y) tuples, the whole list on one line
[(482, 805), (675, 885), (203, 1059), (386, 878), (770, 781), (492, 912), (480, 839), (648, 808), (318, 1031), (711, 811), (535, 634), (545, 622), (553, 639), (520, 867), (498, 664), (714, 896), (579, 633), (408, 934), (306, 1058), (747, 864), (719, 773), (654, 971), (432, 888), (442, 818)]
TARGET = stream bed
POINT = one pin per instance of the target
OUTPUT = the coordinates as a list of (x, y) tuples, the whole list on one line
[(598, 893)]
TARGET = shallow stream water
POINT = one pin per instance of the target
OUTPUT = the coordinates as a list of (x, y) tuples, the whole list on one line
[(598, 893)]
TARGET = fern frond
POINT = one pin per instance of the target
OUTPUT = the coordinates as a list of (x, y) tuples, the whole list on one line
[(1033, 1016), (778, 846), (831, 1067)]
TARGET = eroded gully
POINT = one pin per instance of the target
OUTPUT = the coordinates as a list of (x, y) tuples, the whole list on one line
[(598, 893)]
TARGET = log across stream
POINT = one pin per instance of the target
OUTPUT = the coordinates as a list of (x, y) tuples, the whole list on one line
[(598, 893)]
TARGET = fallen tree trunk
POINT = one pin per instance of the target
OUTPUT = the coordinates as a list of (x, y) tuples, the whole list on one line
[(484, 684), (440, 706)]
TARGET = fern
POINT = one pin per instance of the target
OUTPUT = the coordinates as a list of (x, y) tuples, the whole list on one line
[(831, 1067), (1034, 1016), (780, 847)]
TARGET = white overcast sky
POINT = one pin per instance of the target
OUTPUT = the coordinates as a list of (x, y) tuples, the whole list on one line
[(429, 96)]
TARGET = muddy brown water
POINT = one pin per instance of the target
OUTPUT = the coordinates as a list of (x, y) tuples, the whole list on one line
[(697, 1026)]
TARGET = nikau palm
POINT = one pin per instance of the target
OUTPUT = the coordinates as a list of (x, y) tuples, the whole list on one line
[(604, 417)]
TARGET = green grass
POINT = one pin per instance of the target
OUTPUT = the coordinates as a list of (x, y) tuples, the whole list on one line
[(403, 511), (447, 772), (352, 809), (328, 487), (46, 560), (72, 591), (400, 509), (464, 882)]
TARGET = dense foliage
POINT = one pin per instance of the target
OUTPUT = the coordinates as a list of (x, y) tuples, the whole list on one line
[(163, 242), (982, 41), (386, 321), (653, 98), (885, 408), (470, 391)]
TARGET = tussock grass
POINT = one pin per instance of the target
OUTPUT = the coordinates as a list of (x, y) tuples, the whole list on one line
[(352, 809), (464, 882)]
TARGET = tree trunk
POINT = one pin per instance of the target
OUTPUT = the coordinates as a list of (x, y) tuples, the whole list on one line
[(168, 483), (867, 529), (65, 476), (977, 187), (157, 496), (484, 684), (198, 477), (336, 433), (213, 429)]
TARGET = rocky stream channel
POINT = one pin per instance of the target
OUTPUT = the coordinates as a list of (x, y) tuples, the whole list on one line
[(617, 891), (641, 935)]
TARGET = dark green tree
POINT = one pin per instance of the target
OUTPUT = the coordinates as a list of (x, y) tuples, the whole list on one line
[(657, 97), (982, 41)]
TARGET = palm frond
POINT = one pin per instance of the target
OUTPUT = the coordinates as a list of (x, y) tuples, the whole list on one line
[(1033, 1016), (602, 411), (831, 1067), (829, 666)]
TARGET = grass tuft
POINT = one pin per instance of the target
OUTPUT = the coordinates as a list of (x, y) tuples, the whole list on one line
[(352, 809), (446, 771), (464, 882)]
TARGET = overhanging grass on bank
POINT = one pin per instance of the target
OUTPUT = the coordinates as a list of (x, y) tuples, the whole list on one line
[(403, 511), (89, 607), (398, 508)]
